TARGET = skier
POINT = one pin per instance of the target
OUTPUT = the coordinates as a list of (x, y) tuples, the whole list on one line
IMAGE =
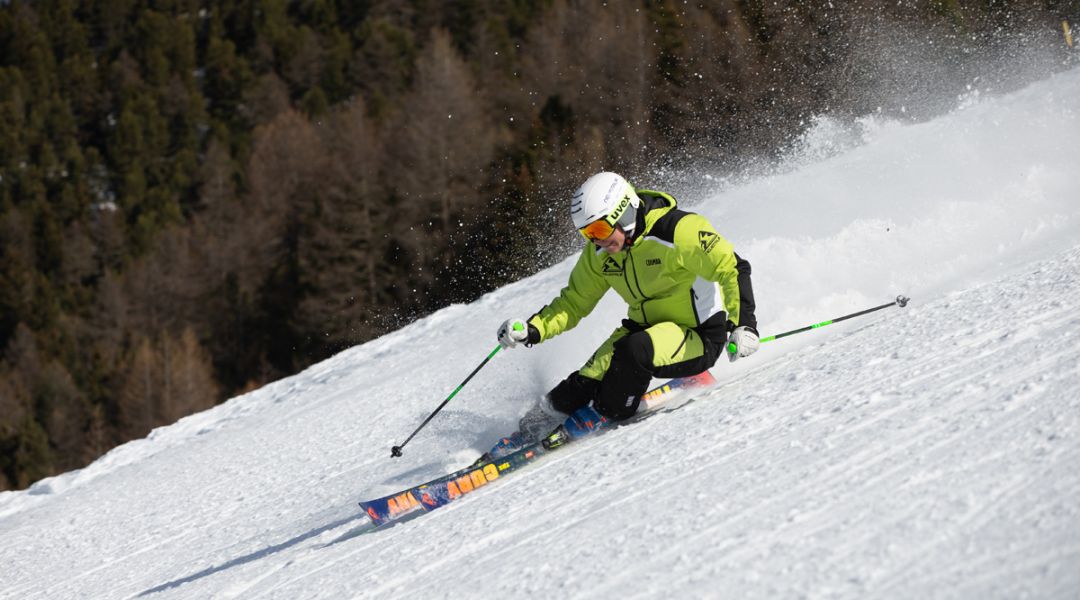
[(689, 298)]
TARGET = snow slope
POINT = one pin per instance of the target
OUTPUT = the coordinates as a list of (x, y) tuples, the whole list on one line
[(926, 451)]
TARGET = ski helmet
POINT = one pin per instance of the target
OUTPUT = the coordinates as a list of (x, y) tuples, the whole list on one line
[(602, 202)]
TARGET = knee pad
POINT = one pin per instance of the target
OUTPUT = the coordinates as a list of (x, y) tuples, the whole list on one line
[(573, 393), (635, 350)]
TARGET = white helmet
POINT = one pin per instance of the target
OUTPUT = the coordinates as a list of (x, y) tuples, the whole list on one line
[(607, 197)]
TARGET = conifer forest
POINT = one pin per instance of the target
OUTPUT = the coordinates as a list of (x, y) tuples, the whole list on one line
[(197, 198)]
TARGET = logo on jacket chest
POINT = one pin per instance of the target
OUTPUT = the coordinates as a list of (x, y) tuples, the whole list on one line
[(612, 267), (652, 262)]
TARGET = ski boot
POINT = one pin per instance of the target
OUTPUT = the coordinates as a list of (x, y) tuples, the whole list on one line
[(583, 422), (507, 445)]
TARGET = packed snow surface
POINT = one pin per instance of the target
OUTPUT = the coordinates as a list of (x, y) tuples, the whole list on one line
[(930, 451)]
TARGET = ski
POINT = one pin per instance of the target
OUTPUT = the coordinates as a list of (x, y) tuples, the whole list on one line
[(439, 492), (428, 496)]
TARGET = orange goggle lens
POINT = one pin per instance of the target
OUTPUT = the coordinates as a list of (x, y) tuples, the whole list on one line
[(597, 230)]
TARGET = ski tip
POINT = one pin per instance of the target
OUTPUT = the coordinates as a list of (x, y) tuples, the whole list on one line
[(372, 515)]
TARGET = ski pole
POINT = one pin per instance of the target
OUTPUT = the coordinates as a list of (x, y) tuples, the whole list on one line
[(396, 450), (900, 301)]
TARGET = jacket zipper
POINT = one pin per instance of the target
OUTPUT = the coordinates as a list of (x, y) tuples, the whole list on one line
[(626, 275), (626, 278), (637, 280)]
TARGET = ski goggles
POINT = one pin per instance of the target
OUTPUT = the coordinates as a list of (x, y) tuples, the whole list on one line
[(598, 230)]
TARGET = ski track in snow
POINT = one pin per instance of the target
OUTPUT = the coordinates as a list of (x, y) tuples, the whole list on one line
[(930, 451)]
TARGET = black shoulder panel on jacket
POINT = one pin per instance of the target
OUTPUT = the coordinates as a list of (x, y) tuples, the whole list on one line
[(664, 227)]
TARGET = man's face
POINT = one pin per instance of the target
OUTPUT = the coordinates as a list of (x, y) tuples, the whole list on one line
[(612, 243)]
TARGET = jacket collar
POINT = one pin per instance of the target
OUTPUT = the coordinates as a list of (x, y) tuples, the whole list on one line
[(653, 206)]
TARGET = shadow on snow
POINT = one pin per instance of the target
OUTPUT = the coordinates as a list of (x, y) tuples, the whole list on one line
[(242, 560)]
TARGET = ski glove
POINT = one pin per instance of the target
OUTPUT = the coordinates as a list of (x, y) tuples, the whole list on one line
[(516, 331), (743, 341)]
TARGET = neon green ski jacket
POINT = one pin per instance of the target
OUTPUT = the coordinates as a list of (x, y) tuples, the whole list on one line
[(678, 269)]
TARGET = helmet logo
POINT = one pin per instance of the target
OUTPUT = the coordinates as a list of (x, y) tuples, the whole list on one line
[(619, 210)]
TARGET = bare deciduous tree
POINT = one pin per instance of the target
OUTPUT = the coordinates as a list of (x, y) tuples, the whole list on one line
[(445, 138), (189, 385)]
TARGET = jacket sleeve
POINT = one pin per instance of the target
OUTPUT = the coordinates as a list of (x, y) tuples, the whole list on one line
[(586, 287), (708, 255)]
